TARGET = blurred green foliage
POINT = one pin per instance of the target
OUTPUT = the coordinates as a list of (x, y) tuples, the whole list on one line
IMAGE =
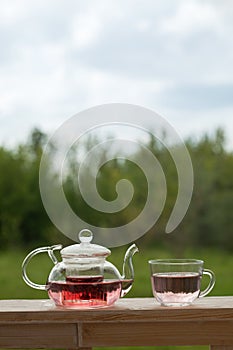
[(208, 222)]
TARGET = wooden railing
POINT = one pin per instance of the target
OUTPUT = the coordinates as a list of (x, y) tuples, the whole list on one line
[(130, 322)]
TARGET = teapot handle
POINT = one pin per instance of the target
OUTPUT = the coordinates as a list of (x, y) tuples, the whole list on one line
[(50, 252)]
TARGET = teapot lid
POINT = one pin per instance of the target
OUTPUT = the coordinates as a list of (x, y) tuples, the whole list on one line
[(85, 249)]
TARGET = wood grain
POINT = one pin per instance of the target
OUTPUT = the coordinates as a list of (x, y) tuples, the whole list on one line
[(38, 336), (130, 322), (159, 333), (128, 309), (221, 347)]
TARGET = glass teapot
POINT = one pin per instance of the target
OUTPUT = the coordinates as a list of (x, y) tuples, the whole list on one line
[(84, 278)]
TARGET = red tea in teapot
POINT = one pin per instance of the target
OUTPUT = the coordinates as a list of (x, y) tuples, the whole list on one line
[(85, 291), (85, 279), (77, 281)]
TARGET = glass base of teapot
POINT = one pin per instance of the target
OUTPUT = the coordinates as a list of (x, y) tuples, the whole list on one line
[(85, 292)]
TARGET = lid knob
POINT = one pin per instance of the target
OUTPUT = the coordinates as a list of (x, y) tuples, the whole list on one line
[(85, 236)]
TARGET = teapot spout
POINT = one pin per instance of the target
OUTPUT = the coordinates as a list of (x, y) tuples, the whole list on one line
[(128, 270)]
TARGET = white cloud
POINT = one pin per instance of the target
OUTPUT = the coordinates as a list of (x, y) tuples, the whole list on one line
[(144, 25), (190, 17), (11, 12), (86, 30), (59, 57)]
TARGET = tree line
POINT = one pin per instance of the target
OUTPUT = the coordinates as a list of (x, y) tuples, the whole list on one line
[(208, 221)]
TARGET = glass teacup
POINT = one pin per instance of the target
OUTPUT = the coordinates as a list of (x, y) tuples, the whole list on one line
[(177, 282)]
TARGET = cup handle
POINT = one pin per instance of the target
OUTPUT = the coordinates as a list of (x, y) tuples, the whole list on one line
[(211, 283)]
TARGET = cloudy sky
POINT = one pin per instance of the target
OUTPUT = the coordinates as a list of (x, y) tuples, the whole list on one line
[(59, 57)]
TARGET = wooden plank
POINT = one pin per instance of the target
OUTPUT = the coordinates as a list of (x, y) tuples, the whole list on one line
[(138, 310), (130, 322), (42, 336), (80, 348), (157, 333), (221, 347)]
